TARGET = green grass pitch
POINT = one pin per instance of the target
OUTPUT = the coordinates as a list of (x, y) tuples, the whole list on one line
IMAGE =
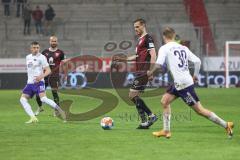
[(193, 137)]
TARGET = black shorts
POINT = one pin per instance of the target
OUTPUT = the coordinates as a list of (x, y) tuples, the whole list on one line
[(188, 94), (52, 81), (140, 82)]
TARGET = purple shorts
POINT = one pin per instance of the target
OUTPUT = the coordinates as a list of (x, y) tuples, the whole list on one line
[(32, 89), (188, 94)]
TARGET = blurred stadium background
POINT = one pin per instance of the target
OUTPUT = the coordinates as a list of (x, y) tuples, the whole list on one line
[(104, 27)]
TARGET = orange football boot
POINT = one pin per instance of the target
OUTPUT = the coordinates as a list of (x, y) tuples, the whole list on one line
[(162, 133)]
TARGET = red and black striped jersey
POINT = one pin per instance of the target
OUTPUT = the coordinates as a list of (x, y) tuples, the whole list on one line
[(143, 47)]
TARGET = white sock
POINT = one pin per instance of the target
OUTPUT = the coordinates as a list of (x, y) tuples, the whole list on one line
[(166, 121), (214, 118), (49, 102), (26, 106)]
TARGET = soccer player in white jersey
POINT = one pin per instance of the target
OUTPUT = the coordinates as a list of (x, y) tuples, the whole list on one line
[(177, 56), (37, 69)]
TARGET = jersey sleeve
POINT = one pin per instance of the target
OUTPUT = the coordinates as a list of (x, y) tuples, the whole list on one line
[(149, 43), (44, 62), (62, 56), (161, 56), (44, 52), (193, 58)]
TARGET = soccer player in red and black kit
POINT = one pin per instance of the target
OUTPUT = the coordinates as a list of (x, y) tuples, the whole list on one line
[(54, 57), (144, 57)]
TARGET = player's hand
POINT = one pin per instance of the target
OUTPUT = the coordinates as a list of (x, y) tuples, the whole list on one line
[(38, 79), (149, 74), (195, 79), (119, 58)]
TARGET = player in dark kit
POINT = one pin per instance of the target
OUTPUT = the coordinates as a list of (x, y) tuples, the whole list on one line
[(54, 57), (145, 56)]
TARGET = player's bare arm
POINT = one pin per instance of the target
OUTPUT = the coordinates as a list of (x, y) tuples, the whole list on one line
[(124, 58), (152, 52), (46, 72)]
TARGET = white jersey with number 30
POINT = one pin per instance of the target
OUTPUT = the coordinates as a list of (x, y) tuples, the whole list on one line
[(177, 56)]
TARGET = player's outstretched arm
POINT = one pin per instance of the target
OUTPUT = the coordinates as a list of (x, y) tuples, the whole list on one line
[(123, 58), (132, 58)]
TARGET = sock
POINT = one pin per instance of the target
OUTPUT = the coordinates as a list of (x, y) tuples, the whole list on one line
[(55, 96), (26, 106), (140, 104), (214, 118), (49, 102), (39, 102), (166, 121), (141, 113)]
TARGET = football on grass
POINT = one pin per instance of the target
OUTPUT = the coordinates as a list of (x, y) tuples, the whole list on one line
[(107, 123)]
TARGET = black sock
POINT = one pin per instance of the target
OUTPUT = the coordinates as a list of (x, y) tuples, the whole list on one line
[(141, 112), (140, 103), (55, 97), (39, 102), (142, 115)]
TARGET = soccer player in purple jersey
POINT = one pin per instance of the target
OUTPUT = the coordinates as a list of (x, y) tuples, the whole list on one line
[(37, 70), (177, 56), (144, 57)]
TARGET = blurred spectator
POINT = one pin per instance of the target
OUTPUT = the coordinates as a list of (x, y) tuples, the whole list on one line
[(20, 6), (37, 15), (27, 16), (49, 15), (6, 4)]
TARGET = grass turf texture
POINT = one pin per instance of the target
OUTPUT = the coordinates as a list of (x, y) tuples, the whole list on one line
[(193, 137)]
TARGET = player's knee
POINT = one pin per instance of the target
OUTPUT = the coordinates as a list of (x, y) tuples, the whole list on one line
[(131, 96), (164, 102), (23, 100), (199, 111), (44, 99)]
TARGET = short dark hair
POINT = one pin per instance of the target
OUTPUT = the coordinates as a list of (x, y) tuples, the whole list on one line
[(34, 43), (140, 20)]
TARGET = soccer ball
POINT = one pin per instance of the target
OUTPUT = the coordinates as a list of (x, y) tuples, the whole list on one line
[(106, 123)]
